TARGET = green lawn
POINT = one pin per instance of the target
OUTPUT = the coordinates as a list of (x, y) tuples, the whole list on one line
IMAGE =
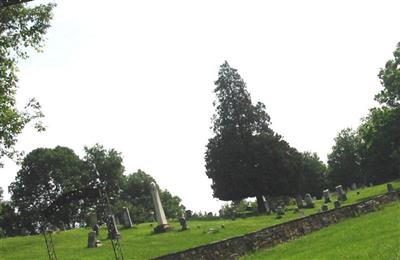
[(140, 243), (372, 236)]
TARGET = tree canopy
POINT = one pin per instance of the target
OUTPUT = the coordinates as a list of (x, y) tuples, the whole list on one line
[(45, 174), (21, 28), (245, 158)]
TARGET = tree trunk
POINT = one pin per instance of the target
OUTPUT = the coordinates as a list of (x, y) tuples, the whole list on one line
[(260, 204)]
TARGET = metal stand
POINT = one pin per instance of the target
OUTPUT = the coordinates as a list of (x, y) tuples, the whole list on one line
[(114, 236), (49, 245)]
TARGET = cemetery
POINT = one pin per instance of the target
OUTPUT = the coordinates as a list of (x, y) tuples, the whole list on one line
[(308, 186), (142, 242)]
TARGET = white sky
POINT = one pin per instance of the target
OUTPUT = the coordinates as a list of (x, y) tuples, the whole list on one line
[(138, 76)]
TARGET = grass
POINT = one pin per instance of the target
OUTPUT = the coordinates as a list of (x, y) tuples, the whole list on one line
[(140, 243), (372, 236)]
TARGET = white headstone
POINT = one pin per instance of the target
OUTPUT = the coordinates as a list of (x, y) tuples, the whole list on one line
[(126, 218), (160, 215)]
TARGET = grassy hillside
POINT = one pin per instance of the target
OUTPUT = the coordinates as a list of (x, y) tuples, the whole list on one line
[(140, 243), (371, 236)]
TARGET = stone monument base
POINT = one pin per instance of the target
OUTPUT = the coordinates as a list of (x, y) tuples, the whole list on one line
[(162, 228)]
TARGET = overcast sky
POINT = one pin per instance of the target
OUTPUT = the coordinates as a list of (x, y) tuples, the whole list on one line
[(138, 76)]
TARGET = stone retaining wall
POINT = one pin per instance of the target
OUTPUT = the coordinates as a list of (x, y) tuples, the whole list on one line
[(233, 248)]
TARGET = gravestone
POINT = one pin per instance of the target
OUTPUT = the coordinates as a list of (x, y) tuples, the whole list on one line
[(336, 204), (92, 219), (299, 202), (61, 226), (126, 218), (309, 201), (96, 229), (280, 211), (326, 195), (267, 207), (183, 223), (370, 184), (341, 194), (324, 208), (163, 225), (354, 186), (390, 187), (112, 229), (92, 240)]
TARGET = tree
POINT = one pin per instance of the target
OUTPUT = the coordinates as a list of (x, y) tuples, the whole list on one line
[(380, 147), (44, 176), (21, 28), (105, 170), (390, 80), (136, 193), (313, 170), (229, 156), (1, 194), (344, 160), (171, 204), (137, 196)]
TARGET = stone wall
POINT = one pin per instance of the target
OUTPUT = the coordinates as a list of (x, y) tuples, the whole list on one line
[(233, 248)]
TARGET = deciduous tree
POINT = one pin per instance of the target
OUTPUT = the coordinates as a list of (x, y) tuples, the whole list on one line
[(21, 28)]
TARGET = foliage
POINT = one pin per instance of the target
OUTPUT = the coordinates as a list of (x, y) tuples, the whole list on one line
[(171, 204), (344, 160), (105, 170), (230, 209), (229, 156), (380, 150), (313, 174), (21, 28), (390, 80), (136, 193), (45, 174)]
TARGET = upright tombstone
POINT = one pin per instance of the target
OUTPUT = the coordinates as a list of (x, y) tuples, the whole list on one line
[(280, 211), (336, 204), (183, 222), (309, 201), (341, 194), (163, 225), (92, 219), (354, 186), (126, 218), (390, 187), (324, 208), (267, 207), (326, 195), (113, 232), (299, 202), (92, 240)]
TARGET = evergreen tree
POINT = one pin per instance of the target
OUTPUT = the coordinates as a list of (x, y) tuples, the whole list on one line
[(230, 161)]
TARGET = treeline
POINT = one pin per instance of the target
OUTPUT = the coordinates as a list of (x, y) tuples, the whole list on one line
[(46, 174), (246, 158), (371, 153)]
